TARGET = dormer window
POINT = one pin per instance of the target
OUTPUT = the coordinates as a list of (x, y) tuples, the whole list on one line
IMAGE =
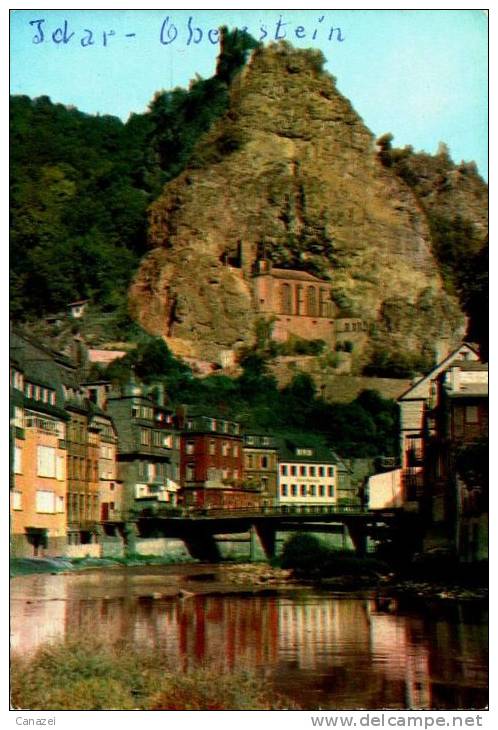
[(304, 452)]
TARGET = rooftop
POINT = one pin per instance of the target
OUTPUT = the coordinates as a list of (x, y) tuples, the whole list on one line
[(290, 451), (292, 274)]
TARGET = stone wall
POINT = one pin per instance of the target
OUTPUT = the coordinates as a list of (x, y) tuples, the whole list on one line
[(21, 548), (161, 546), (91, 550)]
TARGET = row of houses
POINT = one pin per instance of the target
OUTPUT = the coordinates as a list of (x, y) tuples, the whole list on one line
[(444, 458), (86, 456)]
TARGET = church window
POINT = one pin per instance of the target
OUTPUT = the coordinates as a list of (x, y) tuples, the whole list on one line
[(311, 302), (324, 305), (285, 299)]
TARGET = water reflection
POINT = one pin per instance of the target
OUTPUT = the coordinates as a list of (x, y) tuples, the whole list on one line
[(321, 651)]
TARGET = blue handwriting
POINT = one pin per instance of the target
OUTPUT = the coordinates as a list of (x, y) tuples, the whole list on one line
[(188, 33)]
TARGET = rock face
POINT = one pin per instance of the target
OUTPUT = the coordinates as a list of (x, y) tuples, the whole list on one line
[(291, 173)]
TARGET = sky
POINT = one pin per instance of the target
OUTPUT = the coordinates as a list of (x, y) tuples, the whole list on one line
[(419, 74)]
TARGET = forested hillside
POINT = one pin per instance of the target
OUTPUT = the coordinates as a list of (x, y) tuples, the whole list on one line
[(81, 185)]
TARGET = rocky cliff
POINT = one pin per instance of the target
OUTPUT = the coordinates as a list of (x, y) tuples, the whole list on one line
[(290, 170)]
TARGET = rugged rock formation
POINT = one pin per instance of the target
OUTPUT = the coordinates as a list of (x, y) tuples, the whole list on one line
[(290, 170), (447, 189)]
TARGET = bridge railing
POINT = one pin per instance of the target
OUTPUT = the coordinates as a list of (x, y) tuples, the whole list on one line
[(269, 510)]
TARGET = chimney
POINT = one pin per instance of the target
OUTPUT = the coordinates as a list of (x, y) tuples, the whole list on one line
[(181, 415), (453, 379)]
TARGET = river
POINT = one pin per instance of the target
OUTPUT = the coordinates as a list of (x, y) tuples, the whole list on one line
[(320, 649)]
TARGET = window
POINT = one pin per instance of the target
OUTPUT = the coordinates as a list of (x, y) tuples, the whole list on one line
[(313, 490), (60, 504), (151, 472), (235, 449), (294, 490), (311, 302), (302, 470), (17, 460), (45, 501), (321, 471), (331, 490), (60, 468), (46, 461), (156, 438), (471, 414), (168, 441), (285, 299), (265, 441), (283, 470), (264, 462), (135, 411), (321, 490), (250, 461), (16, 379), (18, 417), (235, 473), (312, 470), (293, 471), (144, 436), (303, 490), (330, 471), (16, 500), (224, 448), (190, 472), (283, 490), (190, 447), (299, 299)]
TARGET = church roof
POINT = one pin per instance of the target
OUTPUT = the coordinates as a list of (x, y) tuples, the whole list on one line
[(294, 274)]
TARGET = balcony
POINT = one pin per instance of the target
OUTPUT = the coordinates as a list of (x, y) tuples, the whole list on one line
[(413, 485), (415, 457)]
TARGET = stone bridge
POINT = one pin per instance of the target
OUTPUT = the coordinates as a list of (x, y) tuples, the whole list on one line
[(198, 528)]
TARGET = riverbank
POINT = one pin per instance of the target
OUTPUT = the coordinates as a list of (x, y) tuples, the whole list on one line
[(85, 674), (352, 577), (29, 566)]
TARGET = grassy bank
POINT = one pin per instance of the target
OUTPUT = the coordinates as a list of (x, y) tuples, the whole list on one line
[(83, 674), (28, 566)]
